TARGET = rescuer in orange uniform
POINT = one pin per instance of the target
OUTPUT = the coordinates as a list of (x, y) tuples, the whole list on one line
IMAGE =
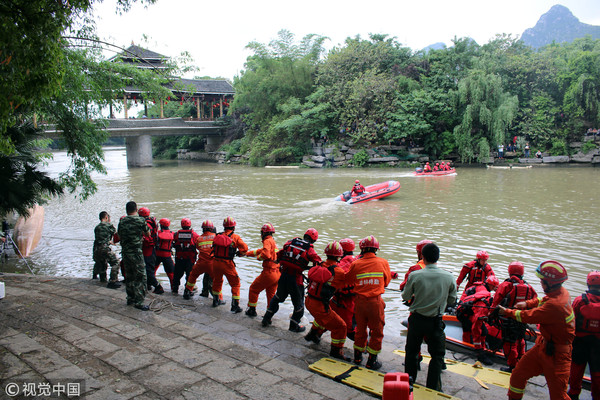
[(420, 263), (475, 271), (268, 278), (324, 280), (225, 247), (204, 262), (551, 354), (586, 346), (370, 275), (510, 292), (343, 299)]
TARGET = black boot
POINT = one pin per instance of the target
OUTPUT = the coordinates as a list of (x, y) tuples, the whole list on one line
[(507, 369), (216, 301), (357, 357), (266, 321), (187, 294), (203, 293), (337, 352), (312, 336), (484, 357), (235, 306), (251, 312), (113, 285), (159, 289), (296, 327), (102, 276), (372, 362)]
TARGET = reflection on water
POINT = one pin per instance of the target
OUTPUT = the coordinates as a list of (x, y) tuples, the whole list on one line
[(526, 214)]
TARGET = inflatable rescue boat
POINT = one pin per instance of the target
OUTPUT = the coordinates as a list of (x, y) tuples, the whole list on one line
[(420, 172), (372, 192)]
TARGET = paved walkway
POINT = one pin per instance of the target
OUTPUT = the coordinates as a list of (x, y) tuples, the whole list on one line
[(69, 330)]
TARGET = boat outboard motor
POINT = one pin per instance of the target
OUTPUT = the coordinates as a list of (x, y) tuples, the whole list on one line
[(419, 170), (347, 195)]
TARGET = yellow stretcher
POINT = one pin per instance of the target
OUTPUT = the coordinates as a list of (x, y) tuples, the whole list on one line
[(367, 380), (487, 375)]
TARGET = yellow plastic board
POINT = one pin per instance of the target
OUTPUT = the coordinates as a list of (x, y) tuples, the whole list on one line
[(487, 375), (367, 380)]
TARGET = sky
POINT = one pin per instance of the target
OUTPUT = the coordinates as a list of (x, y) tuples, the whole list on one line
[(216, 33)]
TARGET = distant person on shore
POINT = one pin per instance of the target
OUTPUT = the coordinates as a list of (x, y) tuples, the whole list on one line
[(586, 346), (551, 354), (357, 189), (430, 290), (538, 154), (527, 150), (500, 151), (103, 254), (131, 229)]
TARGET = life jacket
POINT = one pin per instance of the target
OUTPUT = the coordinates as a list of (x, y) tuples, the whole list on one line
[(477, 273), (223, 246), (320, 284), (183, 243), (521, 291), (153, 238), (295, 254), (588, 318), (165, 242)]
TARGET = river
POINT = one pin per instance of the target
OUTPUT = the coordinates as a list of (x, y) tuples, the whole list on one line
[(529, 215)]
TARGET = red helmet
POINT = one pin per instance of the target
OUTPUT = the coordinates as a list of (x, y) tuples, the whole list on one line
[(347, 244), (482, 255), (593, 278), (357, 181), (206, 225), (165, 222), (312, 233), (422, 244), (186, 223), (369, 241), (427, 163), (267, 228), (516, 268), (334, 249), (552, 272), (492, 282), (144, 212), (229, 222), (437, 163)]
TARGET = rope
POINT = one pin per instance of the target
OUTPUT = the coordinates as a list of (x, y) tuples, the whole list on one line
[(158, 305)]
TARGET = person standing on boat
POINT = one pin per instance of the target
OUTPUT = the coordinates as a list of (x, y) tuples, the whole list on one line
[(586, 346), (103, 254), (131, 229), (510, 292), (184, 242), (357, 189), (369, 275), (164, 246), (324, 280), (420, 263), (204, 263), (551, 354), (294, 258), (343, 300), (149, 250), (475, 271), (226, 245), (270, 274), (431, 290)]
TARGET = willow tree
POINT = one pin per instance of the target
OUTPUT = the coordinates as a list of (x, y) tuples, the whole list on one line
[(487, 114)]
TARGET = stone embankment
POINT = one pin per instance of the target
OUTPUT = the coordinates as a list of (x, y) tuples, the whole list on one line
[(57, 331)]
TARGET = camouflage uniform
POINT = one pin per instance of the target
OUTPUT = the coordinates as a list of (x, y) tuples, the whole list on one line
[(103, 254), (131, 229)]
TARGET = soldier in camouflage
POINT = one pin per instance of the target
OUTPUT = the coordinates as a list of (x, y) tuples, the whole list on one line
[(103, 254), (131, 229)]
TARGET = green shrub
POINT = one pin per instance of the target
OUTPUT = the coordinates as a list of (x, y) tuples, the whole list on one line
[(588, 146), (361, 158), (559, 148)]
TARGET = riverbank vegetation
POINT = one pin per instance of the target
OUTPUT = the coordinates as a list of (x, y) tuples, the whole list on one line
[(463, 100)]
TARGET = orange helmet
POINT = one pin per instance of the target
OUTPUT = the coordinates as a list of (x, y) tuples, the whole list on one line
[(206, 225), (144, 212), (347, 244), (369, 242), (267, 228), (482, 255), (516, 268), (552, 272), (312, 233), (229, 222), (186, 223), (334, 249), (164, 222), (593, 278)]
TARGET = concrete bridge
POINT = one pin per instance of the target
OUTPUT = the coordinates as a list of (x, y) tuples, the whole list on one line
[(138, 135)]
